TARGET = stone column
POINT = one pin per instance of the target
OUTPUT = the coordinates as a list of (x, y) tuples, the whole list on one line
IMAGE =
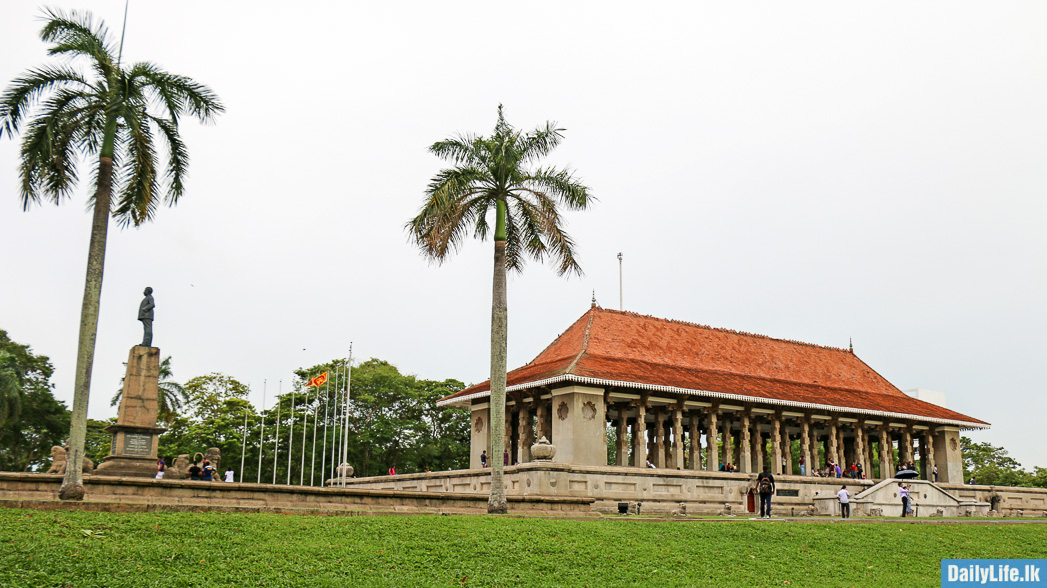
[(886, 471), (695, 443), (758, 448), (859, 443), (712, 449), (787, 441), (667, 449), (805, 445), (134, 444), (745, 447), (641, 434), (905, 453), (834, 454), (623, 436), (776, 445), (678, 438), (928, 440), (659, 440), (526, 436), (542, 420), (728, 438), (815, 463)]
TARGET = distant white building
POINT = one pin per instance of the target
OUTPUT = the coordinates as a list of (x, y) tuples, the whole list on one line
[(926, 395)]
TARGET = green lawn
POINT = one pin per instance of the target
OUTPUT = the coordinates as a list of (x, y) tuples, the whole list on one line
[(81, 549)]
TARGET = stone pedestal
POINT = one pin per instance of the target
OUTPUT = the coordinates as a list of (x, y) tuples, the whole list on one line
[(134, 445)]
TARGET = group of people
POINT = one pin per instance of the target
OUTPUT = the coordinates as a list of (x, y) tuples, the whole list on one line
[(505, 458), (728, 467), (855, 471), (903, 492), (196, 472)]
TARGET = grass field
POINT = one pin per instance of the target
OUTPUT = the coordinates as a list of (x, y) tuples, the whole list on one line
[(81, 549)]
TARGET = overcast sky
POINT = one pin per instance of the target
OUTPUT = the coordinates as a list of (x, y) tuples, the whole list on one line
[(808, 171)]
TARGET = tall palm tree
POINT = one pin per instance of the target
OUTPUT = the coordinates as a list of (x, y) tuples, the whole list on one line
[(106, 115), (171, 397), (495, 173)]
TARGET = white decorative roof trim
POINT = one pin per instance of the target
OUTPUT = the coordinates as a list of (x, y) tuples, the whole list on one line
[(463, 400)]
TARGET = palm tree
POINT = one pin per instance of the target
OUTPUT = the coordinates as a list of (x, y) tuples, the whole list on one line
[(107, 116), (171, 396), (495, 173)]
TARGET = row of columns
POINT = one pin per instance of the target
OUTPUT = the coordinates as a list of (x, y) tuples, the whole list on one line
[(664, 444)]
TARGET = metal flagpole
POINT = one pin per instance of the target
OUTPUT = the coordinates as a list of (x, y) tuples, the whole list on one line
[(345, 434), (243, 448), (312, 454), (336, 445), (323, 448), (305, 428), (620, 305), (279, 407), (261, 435), (290, 439)]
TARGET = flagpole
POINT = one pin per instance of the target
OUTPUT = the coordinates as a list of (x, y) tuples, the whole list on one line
[(336, 429), (276, 449), (323, 448), (243, 447), (290, 438), (305, 429), (348, 384), (312, 454), (261, 436)]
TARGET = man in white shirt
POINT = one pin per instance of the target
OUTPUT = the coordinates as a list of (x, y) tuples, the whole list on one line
[(845, 502)]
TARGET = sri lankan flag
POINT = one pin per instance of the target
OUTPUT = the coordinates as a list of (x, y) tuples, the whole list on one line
[(318, 380)]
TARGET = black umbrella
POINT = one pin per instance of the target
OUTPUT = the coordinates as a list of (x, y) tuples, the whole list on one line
[(906, 474)]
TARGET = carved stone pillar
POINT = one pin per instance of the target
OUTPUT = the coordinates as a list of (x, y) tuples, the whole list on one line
[(622, 452), (678, 438), (526, 436), (641, 434), (859, 443), (758, 447), (834, 454), (658, 459), (776, 445), (805, 446), (728, 437), (695, 458), (787, 446), (886, 471), (745, 446), (712, 449), (905, 450), (929, 460), (815, 463)]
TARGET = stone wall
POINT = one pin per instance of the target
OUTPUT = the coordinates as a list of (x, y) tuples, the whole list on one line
[(123, 494)]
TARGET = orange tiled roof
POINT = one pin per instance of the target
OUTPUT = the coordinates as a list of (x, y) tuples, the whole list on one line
[(641, 351)]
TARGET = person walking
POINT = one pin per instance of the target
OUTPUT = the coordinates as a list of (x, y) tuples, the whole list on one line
[(845, 502), (765, 488), (160, 467), (802, 466), (505, 457), (936, 474), (483, 459)]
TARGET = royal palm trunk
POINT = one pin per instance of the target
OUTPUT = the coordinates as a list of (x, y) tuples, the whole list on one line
[(73, 485), (499, 335)]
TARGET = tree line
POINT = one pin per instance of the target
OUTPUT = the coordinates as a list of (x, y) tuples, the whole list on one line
[(393, 420)]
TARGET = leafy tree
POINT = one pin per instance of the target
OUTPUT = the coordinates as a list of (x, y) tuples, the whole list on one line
[(98, 442), (991, 465), (110, 116), (495, 173), (42, 421), (172, 395)]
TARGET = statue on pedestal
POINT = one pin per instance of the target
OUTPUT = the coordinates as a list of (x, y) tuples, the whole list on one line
[(145, 314)]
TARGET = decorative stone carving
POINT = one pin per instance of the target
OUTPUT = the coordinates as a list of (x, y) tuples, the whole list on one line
[(543, 450), (952, 444), (875, 511), (344, 471), (991, 513), (179, 470), (60, 459), (588, 411), (938, 513), (478, 425), (562, 411)]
